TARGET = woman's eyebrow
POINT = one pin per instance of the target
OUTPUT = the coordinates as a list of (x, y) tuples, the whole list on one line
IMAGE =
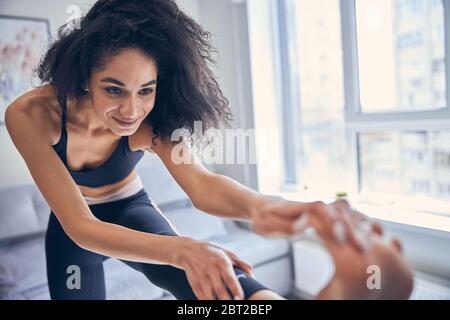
[(120, 83), (148, 83)]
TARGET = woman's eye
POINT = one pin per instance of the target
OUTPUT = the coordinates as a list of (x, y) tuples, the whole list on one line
[(146, 91), (114, 91)]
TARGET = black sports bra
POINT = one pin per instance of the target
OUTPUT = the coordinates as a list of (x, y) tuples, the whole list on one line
[(117, 167)]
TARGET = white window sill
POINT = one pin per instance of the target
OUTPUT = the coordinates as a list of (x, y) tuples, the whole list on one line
[(411, 219)]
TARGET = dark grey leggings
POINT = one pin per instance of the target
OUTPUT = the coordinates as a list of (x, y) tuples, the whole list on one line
[(136, 212)]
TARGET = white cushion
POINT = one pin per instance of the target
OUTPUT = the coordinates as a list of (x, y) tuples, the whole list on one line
[(18, 214), (193, 223)]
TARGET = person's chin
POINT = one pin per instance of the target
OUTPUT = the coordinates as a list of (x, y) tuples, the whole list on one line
[(124, 130)]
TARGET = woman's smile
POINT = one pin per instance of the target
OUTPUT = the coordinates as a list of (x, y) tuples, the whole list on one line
[(126, 124)]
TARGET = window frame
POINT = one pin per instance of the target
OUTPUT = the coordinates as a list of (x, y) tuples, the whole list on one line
[(354, 117), (356, 122), (287, 98)]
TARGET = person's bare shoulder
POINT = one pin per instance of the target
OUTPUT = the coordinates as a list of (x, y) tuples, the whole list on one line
[(142, 138), (42, 106)]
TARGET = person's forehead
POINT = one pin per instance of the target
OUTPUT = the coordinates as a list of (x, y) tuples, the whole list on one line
[(130, 68)]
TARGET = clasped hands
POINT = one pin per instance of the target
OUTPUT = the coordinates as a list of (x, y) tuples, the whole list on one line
[(355, 244)]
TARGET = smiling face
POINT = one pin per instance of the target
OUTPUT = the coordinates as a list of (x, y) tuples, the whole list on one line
[(123, 92)]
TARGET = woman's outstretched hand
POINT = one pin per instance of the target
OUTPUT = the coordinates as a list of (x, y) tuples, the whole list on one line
[(209, 269), (277, 217)]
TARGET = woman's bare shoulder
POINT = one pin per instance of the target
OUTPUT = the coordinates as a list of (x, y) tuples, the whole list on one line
[(142, 138), (41, 105)]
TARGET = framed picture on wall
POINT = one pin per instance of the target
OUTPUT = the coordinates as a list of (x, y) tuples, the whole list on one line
[(22, 42)]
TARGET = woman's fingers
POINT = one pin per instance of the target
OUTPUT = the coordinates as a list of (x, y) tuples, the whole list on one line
[(331, 226), (357, 218), (314, 214), (294, 210), (208, 291), (335, 222), (377, 229), (209, 269), (246, 267), (341, 230), (223, 276), (224, 282), (361, 219), (233, 284), (199, 289), (218, 286), (355, 224), (395, 243)]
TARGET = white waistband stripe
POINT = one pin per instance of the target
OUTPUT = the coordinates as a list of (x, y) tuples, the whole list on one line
[(131, 188)]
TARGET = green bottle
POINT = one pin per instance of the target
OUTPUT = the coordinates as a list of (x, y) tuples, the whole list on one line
[(341, 194)]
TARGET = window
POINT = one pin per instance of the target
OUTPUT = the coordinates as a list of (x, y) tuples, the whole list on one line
[(398, 53), (369, 90), (405, 163), (321, 87)]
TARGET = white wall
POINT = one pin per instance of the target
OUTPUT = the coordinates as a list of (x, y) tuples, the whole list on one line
[(54, 11), (13, 170), (227, 21)]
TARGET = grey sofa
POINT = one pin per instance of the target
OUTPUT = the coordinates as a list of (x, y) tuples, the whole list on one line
[(24, 215)]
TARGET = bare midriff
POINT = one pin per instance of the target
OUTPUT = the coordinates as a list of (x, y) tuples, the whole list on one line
[(106, 190)]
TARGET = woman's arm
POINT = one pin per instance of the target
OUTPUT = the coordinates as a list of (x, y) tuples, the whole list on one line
[(225, 197), (209, 268), (213, 193), (29, 127)]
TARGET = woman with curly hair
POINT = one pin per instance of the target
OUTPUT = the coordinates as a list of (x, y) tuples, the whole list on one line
[(120, 84)]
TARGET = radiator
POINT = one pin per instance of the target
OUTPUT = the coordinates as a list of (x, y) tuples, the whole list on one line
[(313, 267)]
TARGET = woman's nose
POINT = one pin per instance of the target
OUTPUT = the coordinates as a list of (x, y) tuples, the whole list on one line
[(129, 110)]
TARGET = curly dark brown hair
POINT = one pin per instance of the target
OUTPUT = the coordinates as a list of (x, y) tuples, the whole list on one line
[(187, 88)]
